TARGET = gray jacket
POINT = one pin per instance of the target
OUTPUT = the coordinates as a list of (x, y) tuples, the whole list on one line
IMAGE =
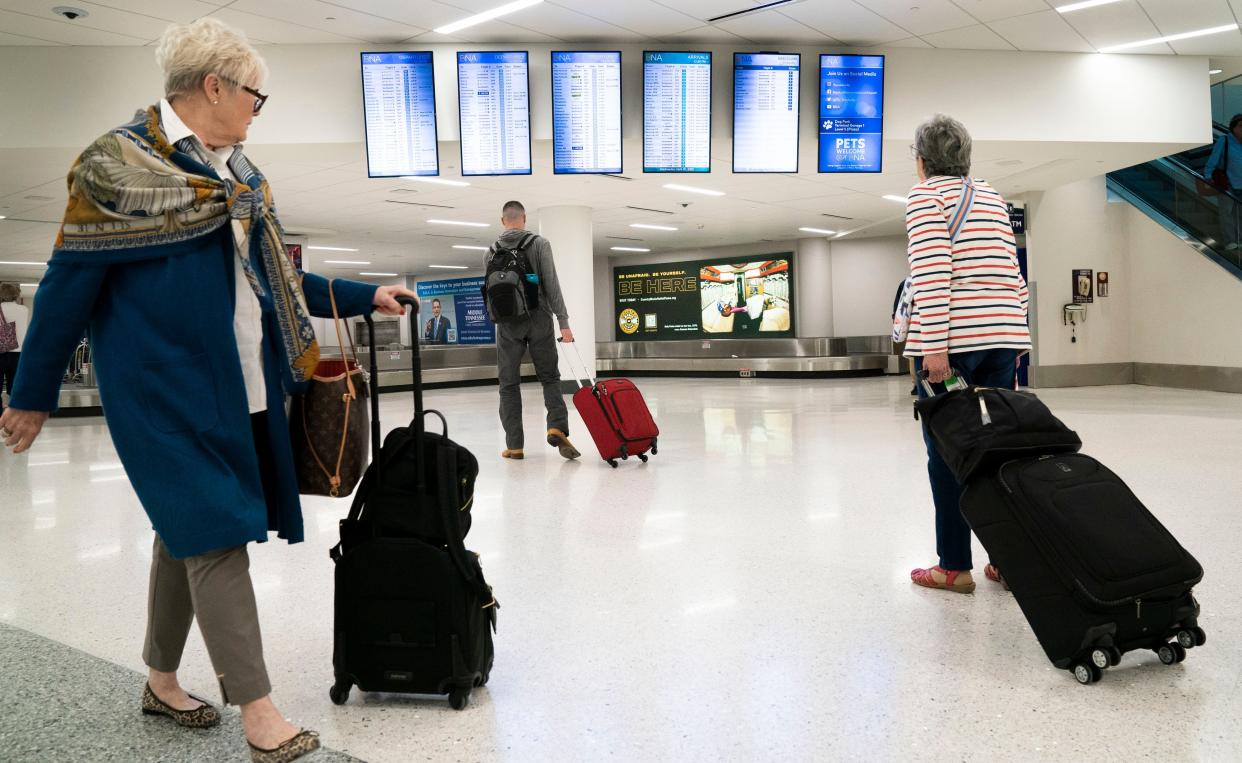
[(539, 255)]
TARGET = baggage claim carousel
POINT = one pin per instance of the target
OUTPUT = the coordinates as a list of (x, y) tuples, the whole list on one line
[(458, 366)]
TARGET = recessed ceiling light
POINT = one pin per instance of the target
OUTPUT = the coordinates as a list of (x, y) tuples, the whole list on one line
[(450, 267), (1211, 71), (471, 247), (378, 274), (692, 189), (646, 226), (26, 264), (459, 222), (2, 217), (332, 248), (821, 231), (894, 197), (629, 249), (488, 15), (346, 262), (436, 180), (1171, 38), (29, 285), (1085, 4)]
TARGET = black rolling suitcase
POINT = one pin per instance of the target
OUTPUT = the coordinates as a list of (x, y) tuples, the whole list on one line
[(413, 613), (1093, 571)]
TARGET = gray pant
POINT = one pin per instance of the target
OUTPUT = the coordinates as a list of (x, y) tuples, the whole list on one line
[(216, 588), (537, 334)]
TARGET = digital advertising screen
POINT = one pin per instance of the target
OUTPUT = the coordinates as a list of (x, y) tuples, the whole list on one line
[(399, 109), (765, 112), (452, 311), (677, 112), (493, 103), (851, 113), (705, 299), (586, 112)]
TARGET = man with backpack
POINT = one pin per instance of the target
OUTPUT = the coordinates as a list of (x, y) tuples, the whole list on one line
[(522, 294)]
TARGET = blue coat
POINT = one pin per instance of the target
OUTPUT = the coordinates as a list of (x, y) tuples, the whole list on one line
[(170, 381)]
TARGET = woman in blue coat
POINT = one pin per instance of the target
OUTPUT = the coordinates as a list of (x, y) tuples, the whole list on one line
[(171, 255)]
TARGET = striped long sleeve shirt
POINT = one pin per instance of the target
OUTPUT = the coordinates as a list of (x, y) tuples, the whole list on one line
[(969, 294)]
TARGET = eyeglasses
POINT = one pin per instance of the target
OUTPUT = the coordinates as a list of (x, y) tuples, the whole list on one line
[(259, 98), (914, 152)]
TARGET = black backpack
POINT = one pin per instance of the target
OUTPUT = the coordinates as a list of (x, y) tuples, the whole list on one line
[(508, 292)]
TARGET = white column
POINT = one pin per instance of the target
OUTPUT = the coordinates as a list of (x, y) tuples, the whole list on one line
[(568, 229), (813, 287)]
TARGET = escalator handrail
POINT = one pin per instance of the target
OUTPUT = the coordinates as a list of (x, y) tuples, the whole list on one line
[(1217, 127)]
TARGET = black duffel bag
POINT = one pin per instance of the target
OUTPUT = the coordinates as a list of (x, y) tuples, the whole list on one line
[(981, 427)]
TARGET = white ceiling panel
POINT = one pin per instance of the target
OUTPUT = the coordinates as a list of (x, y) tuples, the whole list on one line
[(846, 21), (1228, 44), (708, 33), (977, 37), (565, 24), (346, 22), (1177, 16), (1114, 24), (276, 30), (489, 32), (772, 27), (1042, 31), (100, 17), (18, 40), (643, 16), (65, 32), (994, 10), (921, 16), (708, 9), (423, 13), (182, 11), (909, 42)]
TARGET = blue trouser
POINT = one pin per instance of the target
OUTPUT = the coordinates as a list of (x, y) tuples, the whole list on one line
[(984, 368)]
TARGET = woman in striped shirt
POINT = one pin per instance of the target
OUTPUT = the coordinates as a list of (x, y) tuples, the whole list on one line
[(969, 313)]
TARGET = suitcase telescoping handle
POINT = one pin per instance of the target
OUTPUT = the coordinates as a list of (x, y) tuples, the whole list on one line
[(590, 381), (416, 367)]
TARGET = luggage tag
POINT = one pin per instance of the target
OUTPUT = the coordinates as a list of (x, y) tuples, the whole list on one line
[(956, 381)]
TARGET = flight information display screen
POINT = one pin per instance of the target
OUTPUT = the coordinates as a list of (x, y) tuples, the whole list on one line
[(586, 112), (851, 113), (677, 114), (493, 102), (399, 108), (765, 112)]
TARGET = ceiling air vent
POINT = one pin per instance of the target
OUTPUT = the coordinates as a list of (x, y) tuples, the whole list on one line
[(755, 9), (645, 209), (417, 204)]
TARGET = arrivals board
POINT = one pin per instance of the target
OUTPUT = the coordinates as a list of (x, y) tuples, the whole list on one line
[(765, 112), (586, 112), (851, 113), (399, 108), (677, 114), (493, 103)]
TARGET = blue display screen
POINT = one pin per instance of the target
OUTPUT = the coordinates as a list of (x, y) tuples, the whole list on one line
[(399, 106), (493, 101), (677, 114), (586, 112), (851, 113), (462, 317), (765, 112)]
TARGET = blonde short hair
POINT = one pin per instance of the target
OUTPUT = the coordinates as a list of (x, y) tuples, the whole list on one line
[(189, 52)]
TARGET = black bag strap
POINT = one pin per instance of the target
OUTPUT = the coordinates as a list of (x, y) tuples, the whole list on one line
[(446, 500), (519, 250)]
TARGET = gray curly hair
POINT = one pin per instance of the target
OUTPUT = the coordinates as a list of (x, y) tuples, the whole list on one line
[(944, 145)]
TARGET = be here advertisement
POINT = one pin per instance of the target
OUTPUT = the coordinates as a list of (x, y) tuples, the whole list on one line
[(748, 298)]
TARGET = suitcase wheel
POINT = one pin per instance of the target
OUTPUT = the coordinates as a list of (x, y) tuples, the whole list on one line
[(642, 457), (655, 450), (1114, 656), (613, 463), (1189, 638), (339, 692), (459, 698), (1171, 653), (1087, 673)]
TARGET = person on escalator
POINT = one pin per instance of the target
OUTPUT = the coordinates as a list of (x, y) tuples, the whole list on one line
[(1224, 171)]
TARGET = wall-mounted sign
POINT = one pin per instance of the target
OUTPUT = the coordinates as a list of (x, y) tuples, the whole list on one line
[(452, 311), (1101, 284), (705, 299), (1017, 219), (1083, 283)]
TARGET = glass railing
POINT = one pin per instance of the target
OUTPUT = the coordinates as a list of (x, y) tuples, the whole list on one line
[(1226, 100)]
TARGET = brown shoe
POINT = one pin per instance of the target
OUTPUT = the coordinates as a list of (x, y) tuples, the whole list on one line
[(303, 743), (515, 453), (560, 441), (202, 717)]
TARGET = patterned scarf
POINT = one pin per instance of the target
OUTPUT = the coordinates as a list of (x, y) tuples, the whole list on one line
[(131, 189)]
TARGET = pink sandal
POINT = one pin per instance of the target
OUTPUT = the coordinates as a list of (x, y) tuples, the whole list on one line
[(993, 574), (925, 578)]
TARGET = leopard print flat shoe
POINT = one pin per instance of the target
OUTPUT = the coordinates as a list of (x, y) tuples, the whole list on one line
[(203, 717), (303, 743)]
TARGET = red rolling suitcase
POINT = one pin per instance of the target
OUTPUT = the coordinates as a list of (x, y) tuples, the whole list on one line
[(616, 416)]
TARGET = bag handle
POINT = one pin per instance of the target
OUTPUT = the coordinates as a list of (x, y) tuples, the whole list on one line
[(334, 478), (963, 209), (581, 364)]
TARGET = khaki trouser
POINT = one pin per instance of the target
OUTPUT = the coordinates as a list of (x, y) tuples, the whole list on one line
[(214, 587)]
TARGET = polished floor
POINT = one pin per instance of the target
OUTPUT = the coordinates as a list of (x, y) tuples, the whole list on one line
[(745, 596)]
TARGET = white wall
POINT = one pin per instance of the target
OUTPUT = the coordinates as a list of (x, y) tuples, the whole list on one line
[(1074, 226), (865, 276), (1184, 308)]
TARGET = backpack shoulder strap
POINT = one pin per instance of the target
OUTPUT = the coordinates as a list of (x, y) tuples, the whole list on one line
[(964, 203)]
